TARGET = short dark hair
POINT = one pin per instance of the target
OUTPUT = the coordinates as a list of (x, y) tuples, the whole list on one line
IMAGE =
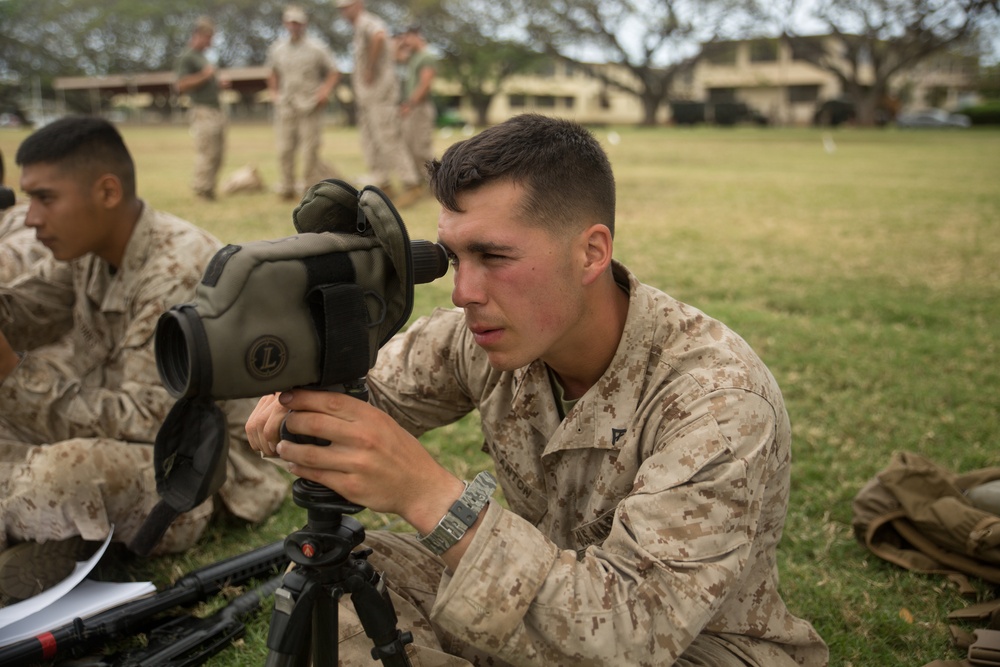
[(566, 174), (88, 145)]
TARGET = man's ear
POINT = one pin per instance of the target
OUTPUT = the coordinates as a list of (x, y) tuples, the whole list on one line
[(108, 191), (597, 251)]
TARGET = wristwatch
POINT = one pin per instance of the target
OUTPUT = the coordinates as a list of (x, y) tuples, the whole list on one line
[(461, 515)]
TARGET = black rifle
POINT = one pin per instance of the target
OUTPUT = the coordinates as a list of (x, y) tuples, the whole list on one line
[(124, 620), (187, 641)]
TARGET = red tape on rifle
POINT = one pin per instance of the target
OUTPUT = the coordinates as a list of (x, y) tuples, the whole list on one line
[(48, 642)]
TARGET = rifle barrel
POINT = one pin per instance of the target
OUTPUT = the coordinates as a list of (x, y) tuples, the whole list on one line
[(119, 620)]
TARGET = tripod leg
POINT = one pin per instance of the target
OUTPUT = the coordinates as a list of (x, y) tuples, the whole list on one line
[(377, 615), (289, 635), (325, 638)]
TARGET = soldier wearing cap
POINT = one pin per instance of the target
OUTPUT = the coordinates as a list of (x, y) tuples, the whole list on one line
[(302, 77)]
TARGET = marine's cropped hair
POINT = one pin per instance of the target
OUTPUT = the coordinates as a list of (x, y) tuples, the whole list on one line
[(86, 145), (566, 174)]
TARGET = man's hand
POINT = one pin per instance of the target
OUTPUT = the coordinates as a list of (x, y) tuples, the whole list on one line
[(9, 359), (263, 426), (371, 460)]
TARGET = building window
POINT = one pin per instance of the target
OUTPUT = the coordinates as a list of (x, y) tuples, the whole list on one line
[(516, 101), (721, 54), (721, 95), (764, 51), (807, 48), (569, 102), (545, 102), (546, 69), (803, 94)]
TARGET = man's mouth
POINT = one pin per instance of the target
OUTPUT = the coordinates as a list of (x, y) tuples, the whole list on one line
[(485, 335)]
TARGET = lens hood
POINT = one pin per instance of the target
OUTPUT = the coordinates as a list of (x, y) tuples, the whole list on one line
[(181, 348)]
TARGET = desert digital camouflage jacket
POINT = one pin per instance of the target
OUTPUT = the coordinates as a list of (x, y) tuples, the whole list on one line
[(18, 248), (301, 68), (100, 379), (647, 516)]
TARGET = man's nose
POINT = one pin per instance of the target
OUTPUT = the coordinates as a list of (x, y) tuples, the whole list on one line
[(468, 287), (32, 218)]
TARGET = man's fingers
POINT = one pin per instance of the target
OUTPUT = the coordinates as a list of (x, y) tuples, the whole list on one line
[(333, 403)]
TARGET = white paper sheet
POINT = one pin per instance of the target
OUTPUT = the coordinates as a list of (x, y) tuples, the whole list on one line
[(73, 597)]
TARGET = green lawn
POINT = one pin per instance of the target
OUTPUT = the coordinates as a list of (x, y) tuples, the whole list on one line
[(864, 267)]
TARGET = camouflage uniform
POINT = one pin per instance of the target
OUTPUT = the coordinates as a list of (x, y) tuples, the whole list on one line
[(378, 108), (79, 413), (18, 248), (418, 124), (301, 67), (207, 123), (642, 528)]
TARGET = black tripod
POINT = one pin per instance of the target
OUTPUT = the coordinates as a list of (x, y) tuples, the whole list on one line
[(305, 607)]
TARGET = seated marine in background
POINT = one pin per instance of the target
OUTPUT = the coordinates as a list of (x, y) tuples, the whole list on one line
[(80, 397)]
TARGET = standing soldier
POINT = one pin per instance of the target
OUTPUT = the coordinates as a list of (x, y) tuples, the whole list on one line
[(376, 89), (197, 78), (302, 77), (417, 109)]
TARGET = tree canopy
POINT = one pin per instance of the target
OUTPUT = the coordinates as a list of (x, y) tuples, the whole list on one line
[(482, 42), (871, 41)]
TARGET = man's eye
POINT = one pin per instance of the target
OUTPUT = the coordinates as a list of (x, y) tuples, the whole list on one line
[(452, 259)]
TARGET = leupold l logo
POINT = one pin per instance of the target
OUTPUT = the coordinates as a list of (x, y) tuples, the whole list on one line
[(266, 357)]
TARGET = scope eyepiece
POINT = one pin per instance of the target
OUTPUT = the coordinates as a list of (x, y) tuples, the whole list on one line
[(429, 259)]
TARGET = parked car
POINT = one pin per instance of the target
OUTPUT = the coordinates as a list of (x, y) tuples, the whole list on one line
[(932, 118)]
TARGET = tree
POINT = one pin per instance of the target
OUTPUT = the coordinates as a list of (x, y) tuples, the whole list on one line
[(870, 41), (479, 45), (989, 82), (655, 40)]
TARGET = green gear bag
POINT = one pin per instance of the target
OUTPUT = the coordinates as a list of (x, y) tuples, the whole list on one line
[(919, 516)]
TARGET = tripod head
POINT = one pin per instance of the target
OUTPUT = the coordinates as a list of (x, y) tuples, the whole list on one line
[(328, 537)]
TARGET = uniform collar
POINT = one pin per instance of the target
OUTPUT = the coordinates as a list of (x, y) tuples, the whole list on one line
[(110, 289), (601, 416)]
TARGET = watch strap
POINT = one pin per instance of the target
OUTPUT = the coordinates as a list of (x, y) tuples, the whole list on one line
[(462, 514)]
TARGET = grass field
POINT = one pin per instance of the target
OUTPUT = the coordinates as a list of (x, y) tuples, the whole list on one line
[(863, 266)]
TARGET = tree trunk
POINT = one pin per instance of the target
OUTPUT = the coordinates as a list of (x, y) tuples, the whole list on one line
[(481, 104), (649, 108)]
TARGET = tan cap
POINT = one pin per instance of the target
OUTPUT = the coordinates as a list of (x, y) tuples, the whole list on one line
[(294, 14), (344, 3)]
